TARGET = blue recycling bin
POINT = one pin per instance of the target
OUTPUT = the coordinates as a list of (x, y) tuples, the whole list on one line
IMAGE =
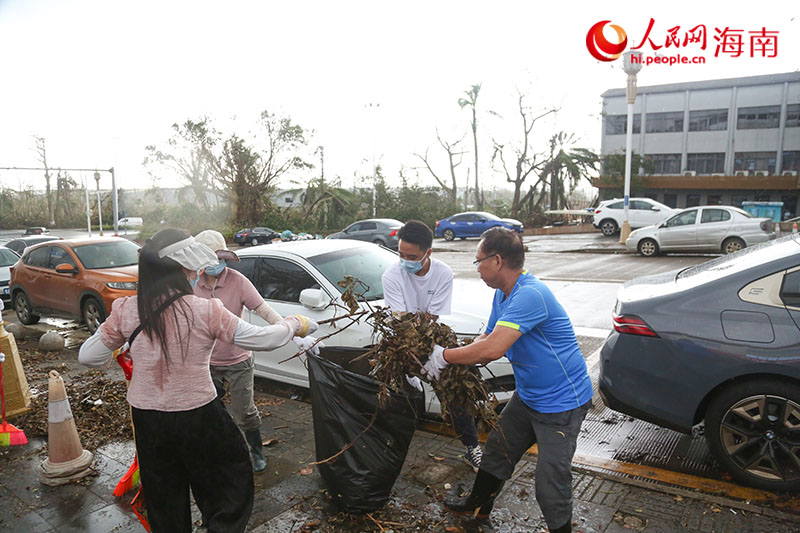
[(773, 210)]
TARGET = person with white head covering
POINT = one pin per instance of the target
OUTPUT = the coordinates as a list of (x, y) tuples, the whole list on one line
[(185, 439), (231, 365)]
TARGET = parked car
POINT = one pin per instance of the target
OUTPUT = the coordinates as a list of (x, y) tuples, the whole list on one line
[(130, 222), (76, 278), (610, 214), (717, 345), (300, 278), (473, 224), (19, 245), (7, 259), (255, 236), (382, 231), (36, 230), (707, 228)]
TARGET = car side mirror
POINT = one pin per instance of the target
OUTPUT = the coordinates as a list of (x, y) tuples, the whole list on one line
[(481, 220), (656, 208), (314, 298), (66, 268)]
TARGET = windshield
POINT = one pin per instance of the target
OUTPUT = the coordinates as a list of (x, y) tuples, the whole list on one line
[(367, 264), (108, 254), (7, 258)]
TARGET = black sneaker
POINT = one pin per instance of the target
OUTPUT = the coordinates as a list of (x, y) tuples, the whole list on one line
[(473, 455)]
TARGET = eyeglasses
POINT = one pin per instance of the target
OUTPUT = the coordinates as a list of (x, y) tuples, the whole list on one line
[(477, 262)]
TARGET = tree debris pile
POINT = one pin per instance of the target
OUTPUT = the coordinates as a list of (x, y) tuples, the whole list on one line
[(98, 404), (407, 341)]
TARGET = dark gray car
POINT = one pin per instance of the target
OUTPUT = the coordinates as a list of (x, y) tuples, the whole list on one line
[(717, 344), (381, 231)]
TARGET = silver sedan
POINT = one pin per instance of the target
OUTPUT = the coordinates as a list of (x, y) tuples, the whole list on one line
[(707, 228)]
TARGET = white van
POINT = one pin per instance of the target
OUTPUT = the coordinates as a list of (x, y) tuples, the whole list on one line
[(129, 222)]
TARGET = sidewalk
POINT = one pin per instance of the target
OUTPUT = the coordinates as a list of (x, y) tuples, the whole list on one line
[(290, 497)]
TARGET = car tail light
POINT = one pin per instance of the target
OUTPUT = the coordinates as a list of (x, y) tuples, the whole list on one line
[(10, 271), (245, 234), (765, 225), (633, 325), (393, 233), (596, 211)]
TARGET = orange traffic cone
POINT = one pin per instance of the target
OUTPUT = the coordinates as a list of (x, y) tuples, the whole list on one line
[(67, 460)]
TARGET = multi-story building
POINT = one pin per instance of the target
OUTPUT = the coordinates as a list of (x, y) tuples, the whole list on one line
[(713, 142)]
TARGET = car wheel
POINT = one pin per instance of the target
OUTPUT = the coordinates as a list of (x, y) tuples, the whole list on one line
[(734, 244), (609, 227), (648, 247), (24, 310), (93, 313), (254, 241), (448, 235), (752, 430)]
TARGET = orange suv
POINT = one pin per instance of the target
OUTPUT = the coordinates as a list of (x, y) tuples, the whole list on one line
[(74, 278)]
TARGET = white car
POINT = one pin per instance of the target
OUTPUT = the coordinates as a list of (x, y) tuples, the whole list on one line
[(130, 222), (300, 278), (713, 228), (610, 214), (8, 258)]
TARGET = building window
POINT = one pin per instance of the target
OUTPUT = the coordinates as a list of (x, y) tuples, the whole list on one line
[(692, 200), (737, 199), (713, 199), (671, 200), (791, 160), (708, 120), (617, 124), (792, 115), (762, 197), (669, 164), (712, 163), (664, 122), (765, 116), (754, 161)]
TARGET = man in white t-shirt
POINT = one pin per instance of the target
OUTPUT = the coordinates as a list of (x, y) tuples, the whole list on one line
[(420, 283)]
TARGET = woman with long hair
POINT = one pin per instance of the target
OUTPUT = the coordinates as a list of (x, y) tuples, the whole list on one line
[(185, 439)]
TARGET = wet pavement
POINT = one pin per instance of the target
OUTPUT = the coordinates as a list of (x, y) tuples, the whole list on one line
[(291, 495)]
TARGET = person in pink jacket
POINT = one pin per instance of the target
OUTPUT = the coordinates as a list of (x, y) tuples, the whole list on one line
[(185, 439)]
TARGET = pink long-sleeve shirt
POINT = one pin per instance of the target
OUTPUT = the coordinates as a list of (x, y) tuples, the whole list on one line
[(185, 383)]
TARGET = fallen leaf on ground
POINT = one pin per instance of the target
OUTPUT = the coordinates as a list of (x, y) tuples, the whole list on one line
[(269, 442), (306, 471)]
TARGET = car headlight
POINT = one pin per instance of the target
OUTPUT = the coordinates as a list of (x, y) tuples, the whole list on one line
[(123, 285)]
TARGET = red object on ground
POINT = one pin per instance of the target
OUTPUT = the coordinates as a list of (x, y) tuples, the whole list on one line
[(9, 435)]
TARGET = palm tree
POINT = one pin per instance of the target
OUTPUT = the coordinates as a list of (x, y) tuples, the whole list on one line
[(566, 166), (329, 204)]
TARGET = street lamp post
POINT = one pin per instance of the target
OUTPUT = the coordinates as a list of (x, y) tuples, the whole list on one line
[(631, 64), (99, 205)]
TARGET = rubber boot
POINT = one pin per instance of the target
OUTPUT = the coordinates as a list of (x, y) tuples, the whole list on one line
[(566, 528), (253, 438), (480, 501)]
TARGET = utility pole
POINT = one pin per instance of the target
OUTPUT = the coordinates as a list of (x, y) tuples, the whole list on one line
[(99, 203)]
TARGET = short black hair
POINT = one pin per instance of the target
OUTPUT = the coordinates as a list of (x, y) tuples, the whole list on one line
[(416, 232), (506, 243)]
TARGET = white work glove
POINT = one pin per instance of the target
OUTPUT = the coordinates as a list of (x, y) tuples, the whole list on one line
[(414, 382), (306, 344), (436, 362), (302, 325)]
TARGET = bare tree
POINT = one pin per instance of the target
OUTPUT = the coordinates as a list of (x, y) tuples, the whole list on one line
[(471, 101), (188, 156), (41, 151), (454, 159), (526, 162)]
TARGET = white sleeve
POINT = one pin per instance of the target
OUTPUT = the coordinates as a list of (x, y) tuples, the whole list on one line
[(268, 313), (440, 303), (93, 352), (252, 337), (393, 292)]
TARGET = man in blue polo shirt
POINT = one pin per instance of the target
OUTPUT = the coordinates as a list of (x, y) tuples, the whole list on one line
[(553, 392)]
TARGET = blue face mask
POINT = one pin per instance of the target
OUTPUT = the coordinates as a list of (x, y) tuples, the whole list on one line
[(193, 282), (216, 270), (412, 267)]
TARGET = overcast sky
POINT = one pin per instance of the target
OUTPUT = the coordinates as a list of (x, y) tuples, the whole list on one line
[(100, 80)]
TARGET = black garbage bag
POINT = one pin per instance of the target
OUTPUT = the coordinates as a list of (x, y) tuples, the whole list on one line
[(344, 403)]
